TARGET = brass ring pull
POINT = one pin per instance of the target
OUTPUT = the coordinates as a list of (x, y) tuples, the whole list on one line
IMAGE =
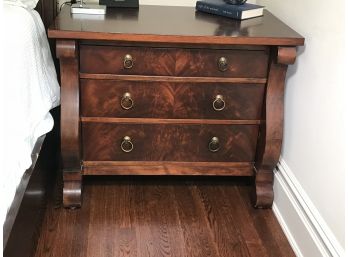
[(127, 101), (128, 61), (127, 145), (219, 103), (222, 64), (214, 144)]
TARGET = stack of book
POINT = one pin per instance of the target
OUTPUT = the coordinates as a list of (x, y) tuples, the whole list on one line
[(220, 7)]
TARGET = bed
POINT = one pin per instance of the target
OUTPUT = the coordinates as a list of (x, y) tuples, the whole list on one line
[(31, 91)]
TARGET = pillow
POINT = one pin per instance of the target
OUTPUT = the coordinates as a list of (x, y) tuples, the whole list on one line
[(28, 4)]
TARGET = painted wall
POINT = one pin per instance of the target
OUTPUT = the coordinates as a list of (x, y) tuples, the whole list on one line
[(314, 135)]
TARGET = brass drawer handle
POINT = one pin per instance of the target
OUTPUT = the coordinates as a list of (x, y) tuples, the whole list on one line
[(127, 101), (222, 64), (127, 145), (219, 103), (214, 144), (128, 61)]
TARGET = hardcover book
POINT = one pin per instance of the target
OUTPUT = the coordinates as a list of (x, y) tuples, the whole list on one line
[(120, 3), (240, 12)]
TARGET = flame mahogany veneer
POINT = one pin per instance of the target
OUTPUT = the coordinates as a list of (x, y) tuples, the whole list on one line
[(201, 95)]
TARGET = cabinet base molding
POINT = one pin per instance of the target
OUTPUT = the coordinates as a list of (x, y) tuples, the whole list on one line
[(300, 218), (167, 168)]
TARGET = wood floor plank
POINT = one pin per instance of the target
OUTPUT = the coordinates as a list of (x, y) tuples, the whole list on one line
[(46, 244), (156, 220), (67, 229), (80, 226), (115, 214), (161, 217), (240, 216), (268, 228), (99, 229), (221, 221), (141, 221), (198, 240)]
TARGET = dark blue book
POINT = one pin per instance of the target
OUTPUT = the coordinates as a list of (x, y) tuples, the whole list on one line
[(240, 12)]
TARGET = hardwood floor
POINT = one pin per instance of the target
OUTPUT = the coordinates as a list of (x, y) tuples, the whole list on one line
[(156, 216)]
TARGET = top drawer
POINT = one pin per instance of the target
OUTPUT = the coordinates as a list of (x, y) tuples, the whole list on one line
[(127, 60), (221, 63), (173, 62)]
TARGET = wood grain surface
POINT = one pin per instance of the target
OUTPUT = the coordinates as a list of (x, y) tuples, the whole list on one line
[(162, 24), (168, 168), (173, 61), (271, 132), (67, 52), (204, 63), (169, 71), (170, 121), (110, 60), (102, 98), (172, 78), (152, 216), (102, 142)]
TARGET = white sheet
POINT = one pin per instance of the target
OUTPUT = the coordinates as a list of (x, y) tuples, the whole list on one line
[(30, 89)]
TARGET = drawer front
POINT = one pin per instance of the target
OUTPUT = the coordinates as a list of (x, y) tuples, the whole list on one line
[(107, 98), (167, 142), (222, 63), (127, 60)]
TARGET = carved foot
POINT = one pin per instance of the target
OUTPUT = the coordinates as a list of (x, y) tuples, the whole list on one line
[(263, 195), (72, 191)]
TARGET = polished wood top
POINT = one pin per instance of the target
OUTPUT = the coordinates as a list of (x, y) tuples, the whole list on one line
[(165, 24)]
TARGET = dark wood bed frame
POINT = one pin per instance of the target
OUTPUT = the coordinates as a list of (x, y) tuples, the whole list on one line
[(47, 10), (24, 218)]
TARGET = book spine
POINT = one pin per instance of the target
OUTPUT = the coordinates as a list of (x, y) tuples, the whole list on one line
[(218, 10)]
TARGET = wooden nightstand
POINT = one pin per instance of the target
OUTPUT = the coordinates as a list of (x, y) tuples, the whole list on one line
[(170, 91)]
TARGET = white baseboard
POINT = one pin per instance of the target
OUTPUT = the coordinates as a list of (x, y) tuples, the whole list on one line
[(300, 220)]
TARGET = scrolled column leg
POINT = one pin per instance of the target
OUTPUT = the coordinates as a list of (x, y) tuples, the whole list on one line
[(67, 52), (72, 190), (263, 194), (271, 131)]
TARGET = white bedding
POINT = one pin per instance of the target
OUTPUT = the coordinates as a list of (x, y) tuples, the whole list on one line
[(30, 89)]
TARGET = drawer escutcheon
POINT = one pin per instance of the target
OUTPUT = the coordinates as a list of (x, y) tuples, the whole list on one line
[(127, 145), (127, 101), (128, 61), (214, 144), (222, 64), (219, 103)]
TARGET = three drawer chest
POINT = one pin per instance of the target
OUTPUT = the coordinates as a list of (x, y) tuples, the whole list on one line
[(170, 91)]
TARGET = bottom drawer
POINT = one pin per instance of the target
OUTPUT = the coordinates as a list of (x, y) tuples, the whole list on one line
[(168, 142)]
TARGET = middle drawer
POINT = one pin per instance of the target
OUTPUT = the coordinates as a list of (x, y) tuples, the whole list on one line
[(142, 99)]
